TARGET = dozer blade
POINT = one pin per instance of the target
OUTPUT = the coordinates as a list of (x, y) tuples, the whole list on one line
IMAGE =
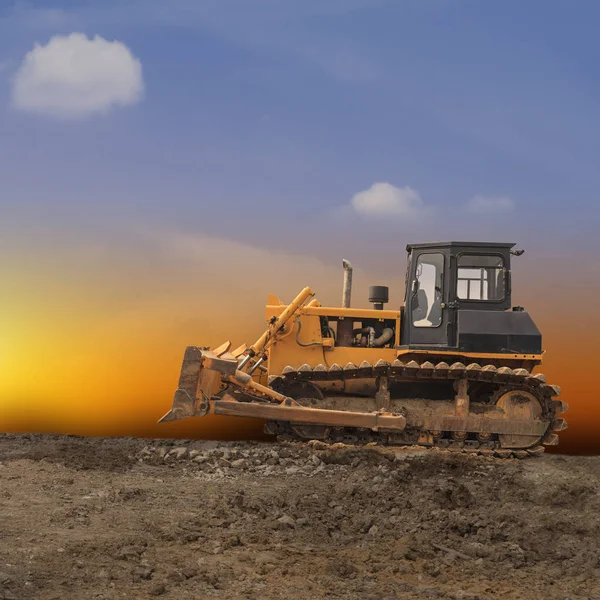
[(204, 371), (200, 378), (183, 406)]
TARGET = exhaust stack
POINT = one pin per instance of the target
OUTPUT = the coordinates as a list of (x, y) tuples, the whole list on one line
[(347, 289), (344, 327)]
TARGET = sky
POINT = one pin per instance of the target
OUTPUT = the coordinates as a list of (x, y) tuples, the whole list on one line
[(165, 162)]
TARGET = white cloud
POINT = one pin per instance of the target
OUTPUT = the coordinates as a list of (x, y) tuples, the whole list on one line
[(213, 259), (73, 77), (490, 204), (387, 200)]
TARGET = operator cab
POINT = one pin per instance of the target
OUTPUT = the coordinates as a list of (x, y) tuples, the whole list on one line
[(458, 296)]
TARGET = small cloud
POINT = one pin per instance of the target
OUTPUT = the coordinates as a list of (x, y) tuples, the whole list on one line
[(387, 200), (74, 77), (490, 204)]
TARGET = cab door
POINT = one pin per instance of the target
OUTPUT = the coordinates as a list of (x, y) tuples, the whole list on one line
[(426, 313)]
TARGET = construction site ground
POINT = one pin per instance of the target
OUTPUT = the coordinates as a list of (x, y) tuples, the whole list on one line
[(93, 518)]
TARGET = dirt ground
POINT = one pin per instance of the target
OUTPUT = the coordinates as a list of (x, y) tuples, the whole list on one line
[(122, 518)]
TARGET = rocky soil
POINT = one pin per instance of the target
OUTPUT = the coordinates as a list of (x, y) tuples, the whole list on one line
[(123, 518)]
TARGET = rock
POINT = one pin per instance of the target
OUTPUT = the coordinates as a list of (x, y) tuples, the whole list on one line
[(318, 444), (190, 572), (302, 521), (292, 470), (344, 569), (240, 463), (477, 550), (200, 458), (431, 568), (178, 453), (144, 573), (287, 521), (162, 452), (316, 460), (237, 500), (232, 541), (373, 530), (515, 552), (157, 589), (194, 453)]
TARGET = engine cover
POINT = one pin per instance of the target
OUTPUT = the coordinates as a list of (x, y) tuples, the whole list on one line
[(511, 332)]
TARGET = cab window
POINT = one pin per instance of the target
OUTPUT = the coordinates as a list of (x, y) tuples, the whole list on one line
[(480, 278), (426, 293)]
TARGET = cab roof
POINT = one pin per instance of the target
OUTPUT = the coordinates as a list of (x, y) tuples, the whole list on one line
[(504, 245)]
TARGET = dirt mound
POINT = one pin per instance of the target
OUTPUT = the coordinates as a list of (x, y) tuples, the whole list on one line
[(105, 454), (110, 518)]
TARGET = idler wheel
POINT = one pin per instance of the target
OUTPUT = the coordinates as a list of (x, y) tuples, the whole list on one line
[(519, 405)]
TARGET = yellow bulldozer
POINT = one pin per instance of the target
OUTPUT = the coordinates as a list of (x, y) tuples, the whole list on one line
[(452, 367)]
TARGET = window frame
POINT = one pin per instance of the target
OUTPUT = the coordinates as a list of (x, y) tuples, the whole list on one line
[(504, 273), (417, 258)]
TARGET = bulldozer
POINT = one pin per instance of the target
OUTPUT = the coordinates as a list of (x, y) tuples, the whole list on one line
[(452, 368)]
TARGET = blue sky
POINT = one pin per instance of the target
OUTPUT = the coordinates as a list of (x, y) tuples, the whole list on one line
[(261, 120)]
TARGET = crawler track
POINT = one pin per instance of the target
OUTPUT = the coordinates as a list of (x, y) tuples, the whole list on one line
[(499, 379), (288, 433)]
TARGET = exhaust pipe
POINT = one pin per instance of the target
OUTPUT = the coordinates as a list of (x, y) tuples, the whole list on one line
[(344, 326), (347, 289)]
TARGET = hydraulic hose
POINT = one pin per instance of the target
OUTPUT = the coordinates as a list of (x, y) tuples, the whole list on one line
[(384, 338), (304, 345)]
